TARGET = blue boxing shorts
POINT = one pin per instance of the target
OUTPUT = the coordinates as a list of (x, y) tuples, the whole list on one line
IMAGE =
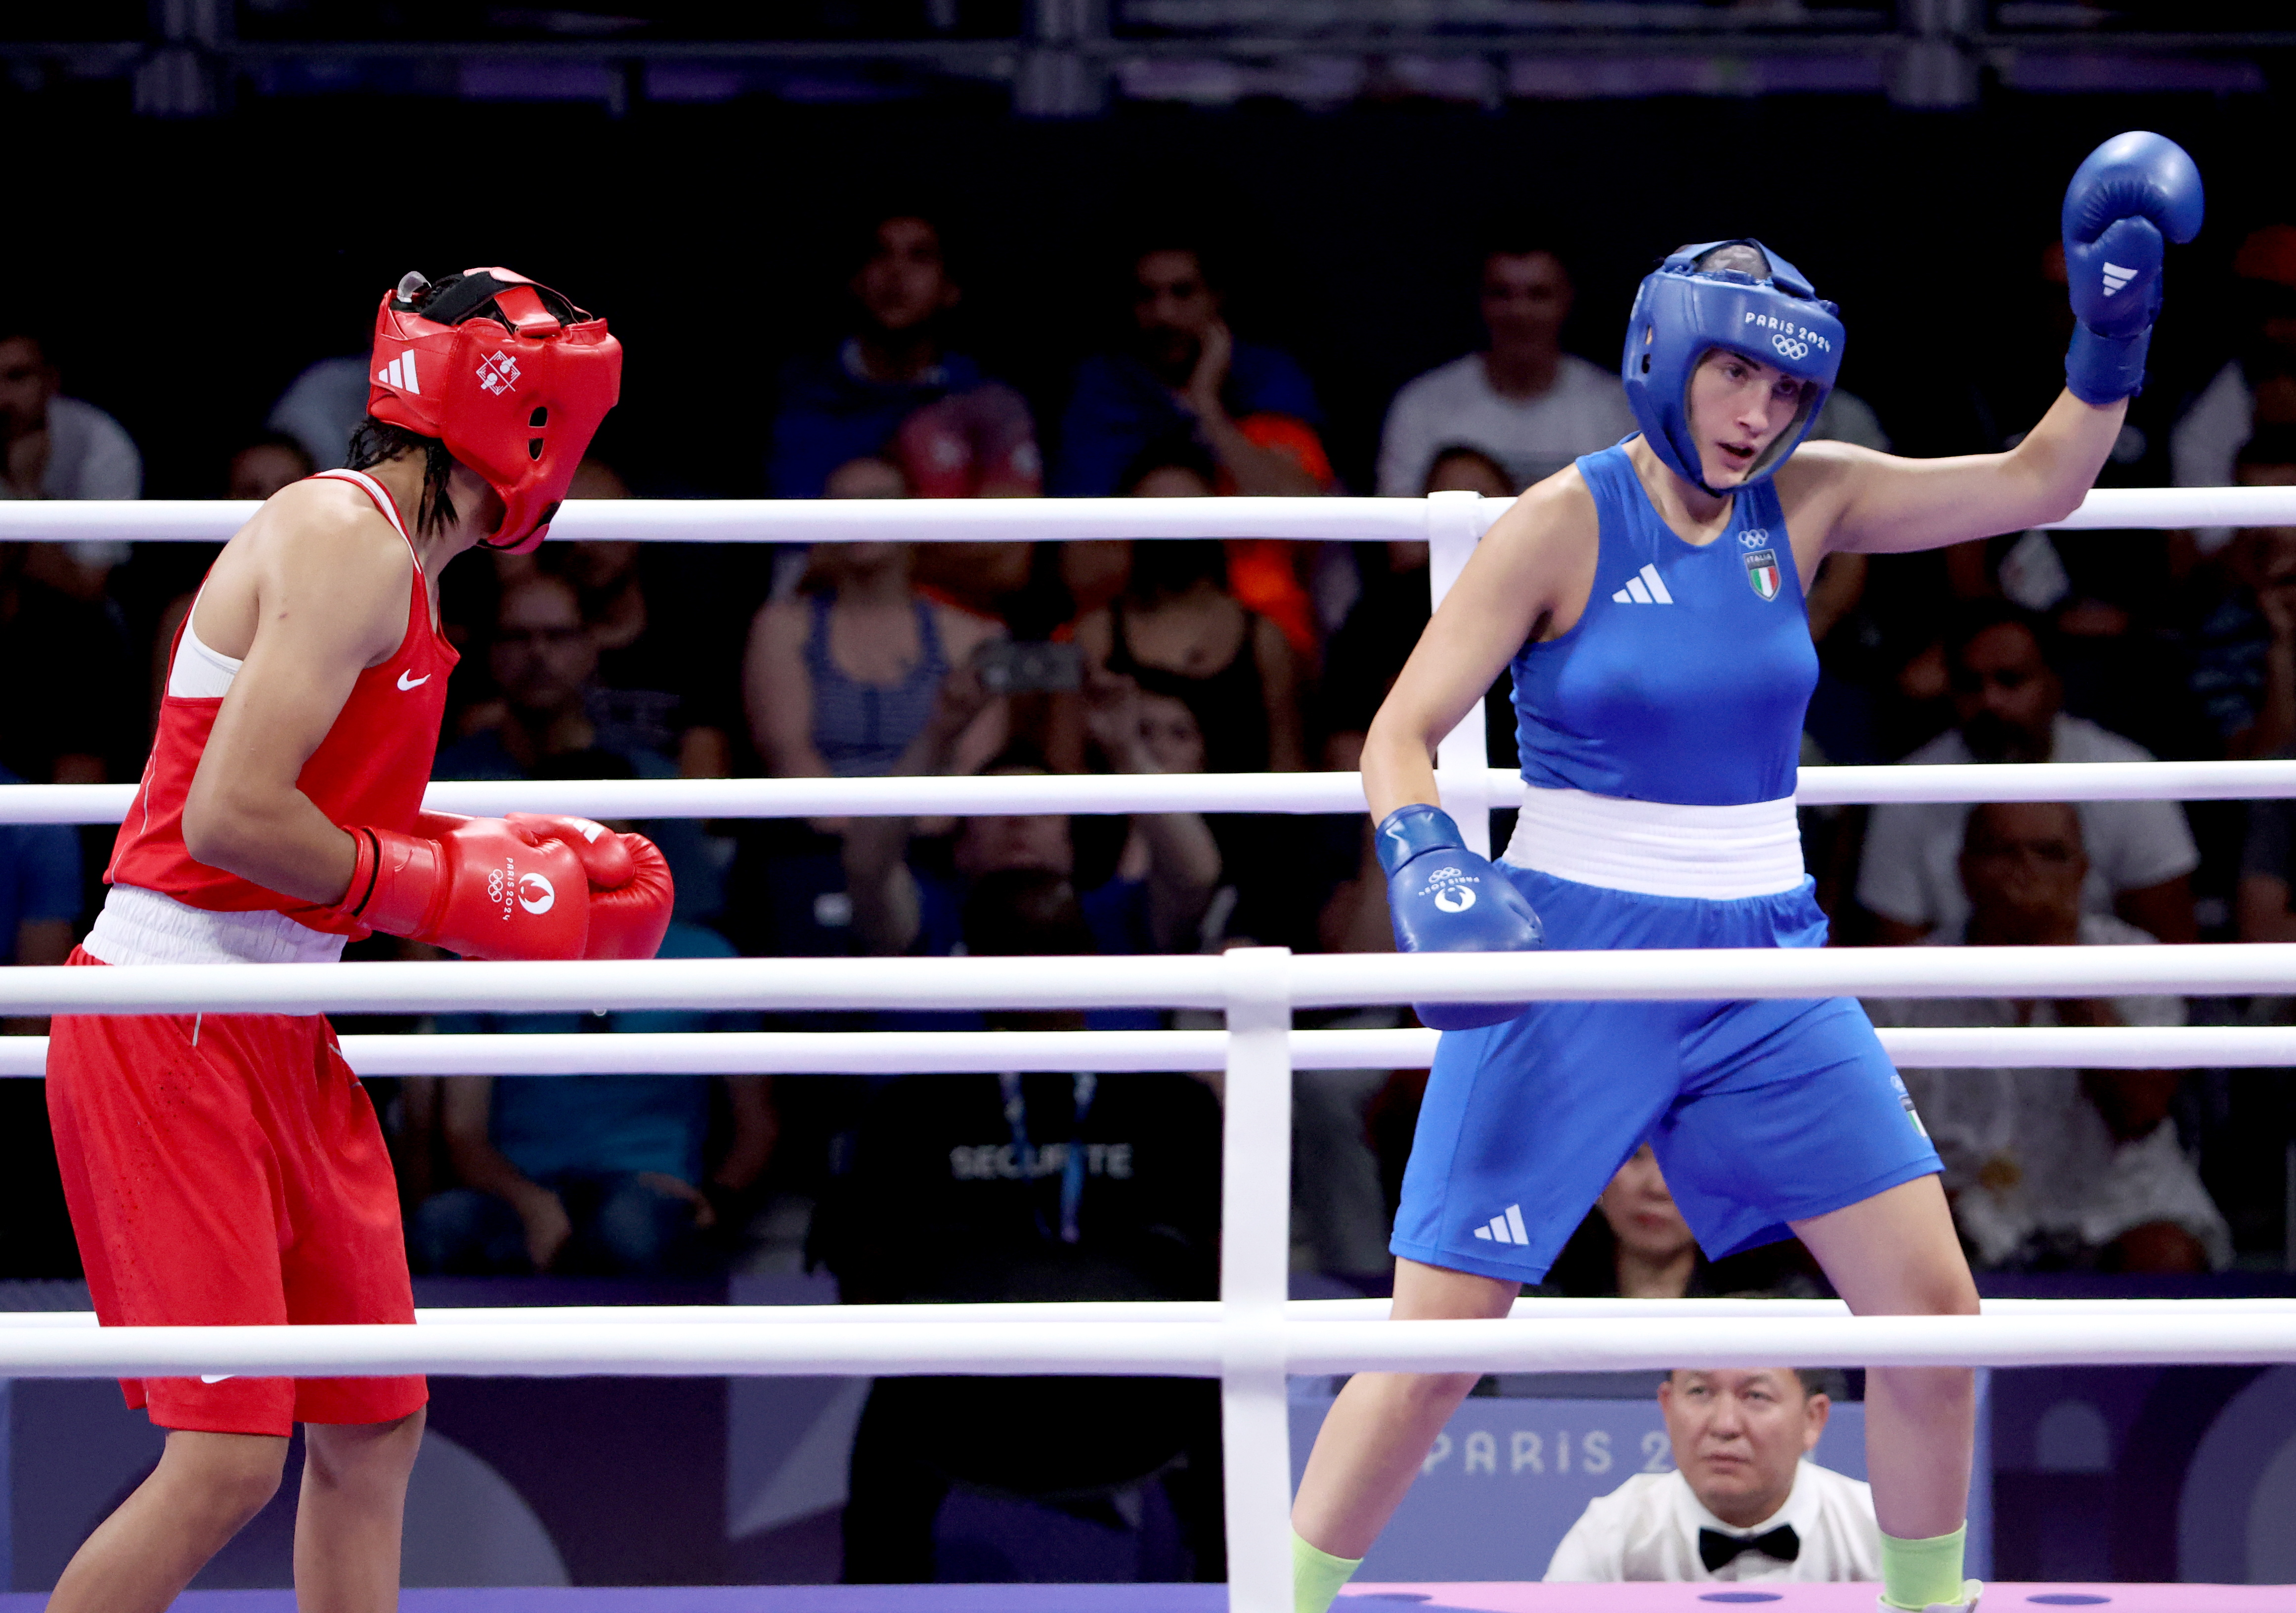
[(1761, 1113)]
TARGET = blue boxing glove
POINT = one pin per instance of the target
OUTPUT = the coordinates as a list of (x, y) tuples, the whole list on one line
[(1442, 897), (2132, 191)]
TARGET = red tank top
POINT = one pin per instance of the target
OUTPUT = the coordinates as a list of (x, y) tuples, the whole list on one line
[(371, 769)]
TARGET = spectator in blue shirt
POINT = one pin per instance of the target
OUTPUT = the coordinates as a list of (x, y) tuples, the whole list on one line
[(596, 1174), (39, 911), (848, 405), (39, 889), (1184, 370)]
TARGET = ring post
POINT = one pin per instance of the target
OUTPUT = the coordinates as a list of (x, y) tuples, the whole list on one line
[(1454, 524), (1255, 1279)]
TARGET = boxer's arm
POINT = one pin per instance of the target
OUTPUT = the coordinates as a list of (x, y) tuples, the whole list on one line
[(331, 601), (1535, 565), (1851, 499)]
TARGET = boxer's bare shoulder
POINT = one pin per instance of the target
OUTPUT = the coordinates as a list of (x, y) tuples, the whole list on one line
[(319, 554)]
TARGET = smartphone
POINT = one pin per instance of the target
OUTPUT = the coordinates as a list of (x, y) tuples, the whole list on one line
[(1007, 667)]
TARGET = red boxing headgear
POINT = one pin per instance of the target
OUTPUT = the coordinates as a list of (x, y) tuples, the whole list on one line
[(511, 377)]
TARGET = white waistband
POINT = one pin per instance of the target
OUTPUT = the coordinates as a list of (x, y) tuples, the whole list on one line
[(1657, 848), (139, 926)]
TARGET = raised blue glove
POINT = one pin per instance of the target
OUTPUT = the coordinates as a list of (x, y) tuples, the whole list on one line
[(1442, 897), (2132, 191)]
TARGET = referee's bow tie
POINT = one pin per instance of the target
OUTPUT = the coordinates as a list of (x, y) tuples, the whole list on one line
[(1716, 1550)]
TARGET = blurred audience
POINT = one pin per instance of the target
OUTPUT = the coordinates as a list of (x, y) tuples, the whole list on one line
[(1178, 630), (1744, 1502), (542, 656), (2007, 700), (1031, 1188), (2056, 1168), (2256, 386), (665, 681), (59, 446), (1523, 401), (853, 403), (1250, 407), (2242, 644), (1635, 1244), (264, 465), (840, 680), (595, 1176)]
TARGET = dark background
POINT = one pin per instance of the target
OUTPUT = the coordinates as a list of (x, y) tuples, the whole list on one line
[(185, 270)]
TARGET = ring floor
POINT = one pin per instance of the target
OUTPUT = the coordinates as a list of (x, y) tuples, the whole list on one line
[(1486, 1597)]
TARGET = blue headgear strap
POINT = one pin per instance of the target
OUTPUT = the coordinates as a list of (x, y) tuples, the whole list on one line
[(1683, 312)]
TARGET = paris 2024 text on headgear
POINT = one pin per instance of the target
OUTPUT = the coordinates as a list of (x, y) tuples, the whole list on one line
[(1683, 312), (510, 376)]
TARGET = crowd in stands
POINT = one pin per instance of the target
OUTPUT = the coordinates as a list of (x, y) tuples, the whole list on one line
[(603, 660)]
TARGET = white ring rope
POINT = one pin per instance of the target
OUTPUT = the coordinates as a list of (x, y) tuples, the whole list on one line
[(1034, 519), (1327, 980), (445, 1343), (1304, 1312), (1105, 1052), (1337, 793)]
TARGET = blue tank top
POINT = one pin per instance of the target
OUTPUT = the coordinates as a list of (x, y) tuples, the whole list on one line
[(1687, 678), (861, 729)]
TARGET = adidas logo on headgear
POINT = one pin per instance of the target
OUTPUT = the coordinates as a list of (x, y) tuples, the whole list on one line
[(400, 373)]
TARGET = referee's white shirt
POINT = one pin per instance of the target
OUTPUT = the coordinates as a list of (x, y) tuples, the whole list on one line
[(1647, 1528)]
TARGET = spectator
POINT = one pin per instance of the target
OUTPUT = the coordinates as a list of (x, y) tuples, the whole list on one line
[(1185, 373), (266, 464), (2056, 1167), (1037, 1187), (2007, 701), (2267, 872), (1523, 400), (543, 656), (2243, 646), (1744, 1501), (1178, 630), (40, 904), (595, 1174), (1153, 901), (62, 634), (1635, 1244), (1383, 625), (58, 446), (663, 684), (2257, 387), (840, 680), (322, 406), (853, 403)]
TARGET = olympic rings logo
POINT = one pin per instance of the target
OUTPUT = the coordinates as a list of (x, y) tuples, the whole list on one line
[(1791, 347)]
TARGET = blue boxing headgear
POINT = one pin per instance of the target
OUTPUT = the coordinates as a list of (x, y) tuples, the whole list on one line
[(1684, 312)]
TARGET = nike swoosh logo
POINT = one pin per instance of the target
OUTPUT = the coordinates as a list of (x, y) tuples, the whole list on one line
[(406, 683)]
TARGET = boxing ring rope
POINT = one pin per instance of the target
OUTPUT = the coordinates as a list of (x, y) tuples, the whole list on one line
[(1253, 1336), (1135, 1052), (770, 521), (1279, 792)]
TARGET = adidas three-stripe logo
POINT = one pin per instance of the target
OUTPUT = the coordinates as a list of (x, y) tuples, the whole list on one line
[(1646, 587), (400, 373), (2116, 278), (1504, 1229)]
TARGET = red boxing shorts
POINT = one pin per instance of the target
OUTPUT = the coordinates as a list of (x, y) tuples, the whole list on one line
[(227, 1169)]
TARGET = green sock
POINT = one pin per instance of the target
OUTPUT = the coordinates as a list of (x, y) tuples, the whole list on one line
[(1918, 1574), (1316, 1576)]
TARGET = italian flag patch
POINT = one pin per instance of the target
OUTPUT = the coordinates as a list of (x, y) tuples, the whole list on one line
[(1762, 573)]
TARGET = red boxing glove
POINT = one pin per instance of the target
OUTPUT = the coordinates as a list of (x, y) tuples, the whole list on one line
[(631, 893), (480, 886)]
